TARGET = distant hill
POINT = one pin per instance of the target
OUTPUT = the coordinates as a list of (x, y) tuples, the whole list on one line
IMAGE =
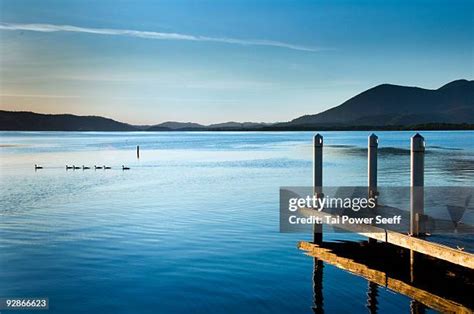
[(173, 125), (30, 121), (190, 126), (386, 105), (238, 125)]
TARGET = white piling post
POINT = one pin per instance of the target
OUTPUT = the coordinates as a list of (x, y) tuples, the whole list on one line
[(318, 180), (417, 161), (373, 143), (318, 163)]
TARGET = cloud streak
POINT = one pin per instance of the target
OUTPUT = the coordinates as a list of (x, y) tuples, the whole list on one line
[(50, 28)]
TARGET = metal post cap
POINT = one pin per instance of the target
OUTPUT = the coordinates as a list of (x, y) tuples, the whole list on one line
[(318, 140), (418, 143), (373, 140)]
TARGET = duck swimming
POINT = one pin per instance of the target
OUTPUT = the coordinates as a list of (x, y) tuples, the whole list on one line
[(107, 167), (125, 168), (69, 167), (38, 167), (85, 168)]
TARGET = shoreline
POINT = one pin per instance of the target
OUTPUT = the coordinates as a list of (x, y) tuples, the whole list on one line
[(421, 127)]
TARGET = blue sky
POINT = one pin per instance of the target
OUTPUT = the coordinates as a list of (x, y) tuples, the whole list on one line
[(146, 62)]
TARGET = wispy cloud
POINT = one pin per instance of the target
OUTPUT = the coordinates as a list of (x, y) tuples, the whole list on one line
[(161, 98), (38, 96), (49, 28)]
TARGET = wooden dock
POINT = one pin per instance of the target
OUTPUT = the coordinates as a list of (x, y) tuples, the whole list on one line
[(402, 260), (416, 242)]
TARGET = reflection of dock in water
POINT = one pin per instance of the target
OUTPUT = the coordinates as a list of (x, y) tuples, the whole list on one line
[(433, 283)]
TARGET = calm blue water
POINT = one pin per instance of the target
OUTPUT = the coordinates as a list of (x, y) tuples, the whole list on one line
[(193, 226)]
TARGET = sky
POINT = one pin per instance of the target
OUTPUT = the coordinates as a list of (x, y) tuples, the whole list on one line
[(146, 62)]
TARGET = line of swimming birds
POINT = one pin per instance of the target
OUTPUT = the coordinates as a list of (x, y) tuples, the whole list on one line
[(84, 167)]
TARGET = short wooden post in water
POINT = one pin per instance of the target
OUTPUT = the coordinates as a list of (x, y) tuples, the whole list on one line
[(373, 143), (138, 152), (416, 183), (318, 181)]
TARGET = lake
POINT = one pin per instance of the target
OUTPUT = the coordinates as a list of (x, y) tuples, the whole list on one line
[(193, 226)]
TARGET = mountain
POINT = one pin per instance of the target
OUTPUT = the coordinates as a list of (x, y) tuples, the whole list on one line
[(173, 126), (190, 126), (386, 105), (30, 121)]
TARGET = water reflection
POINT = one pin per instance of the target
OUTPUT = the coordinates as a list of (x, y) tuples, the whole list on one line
[(318, 286), (372, 294), (431, 283)]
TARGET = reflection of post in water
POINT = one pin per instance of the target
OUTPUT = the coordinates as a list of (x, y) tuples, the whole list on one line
[(318, 286), (417, 307), (413, 257), (372, 293)]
